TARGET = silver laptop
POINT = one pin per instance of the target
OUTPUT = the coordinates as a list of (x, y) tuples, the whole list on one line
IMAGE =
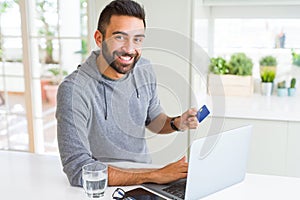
[(216, 162)]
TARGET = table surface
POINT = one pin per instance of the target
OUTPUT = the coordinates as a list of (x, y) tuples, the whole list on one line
[(40, 177)]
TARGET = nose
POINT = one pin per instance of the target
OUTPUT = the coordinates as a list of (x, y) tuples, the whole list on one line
[(129, 46)]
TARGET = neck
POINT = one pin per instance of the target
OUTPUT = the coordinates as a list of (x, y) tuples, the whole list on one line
[(106, 69)]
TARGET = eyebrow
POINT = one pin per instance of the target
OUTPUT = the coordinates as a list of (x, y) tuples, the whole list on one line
[(124, 33)]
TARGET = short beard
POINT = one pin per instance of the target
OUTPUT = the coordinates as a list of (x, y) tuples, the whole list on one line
[(112, 62)]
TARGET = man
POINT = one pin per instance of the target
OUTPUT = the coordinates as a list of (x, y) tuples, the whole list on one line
[(105, 105)]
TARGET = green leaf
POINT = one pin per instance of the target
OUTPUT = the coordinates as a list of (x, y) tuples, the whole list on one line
[(240, 64), (267, 75), (218, 65), (268, 61)]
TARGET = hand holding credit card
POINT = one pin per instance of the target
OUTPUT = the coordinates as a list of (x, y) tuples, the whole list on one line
[(202, 113)]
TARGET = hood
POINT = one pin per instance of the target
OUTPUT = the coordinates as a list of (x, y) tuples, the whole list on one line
[(90, 67)]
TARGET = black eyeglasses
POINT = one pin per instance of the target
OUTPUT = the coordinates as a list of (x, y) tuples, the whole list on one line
[(118, 194)]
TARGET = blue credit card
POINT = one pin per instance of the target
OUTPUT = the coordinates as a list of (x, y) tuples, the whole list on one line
[(202, 113)]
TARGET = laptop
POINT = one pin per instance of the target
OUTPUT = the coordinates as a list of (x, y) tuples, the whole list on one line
[(216, 162)]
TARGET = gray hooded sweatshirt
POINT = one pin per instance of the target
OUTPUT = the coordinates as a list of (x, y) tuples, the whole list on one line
[(103, 119)]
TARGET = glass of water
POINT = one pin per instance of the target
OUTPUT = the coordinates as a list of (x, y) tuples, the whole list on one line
[(94, 176)]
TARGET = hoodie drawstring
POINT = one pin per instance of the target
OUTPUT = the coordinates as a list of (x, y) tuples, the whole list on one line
[(105, 100), (136, 89)]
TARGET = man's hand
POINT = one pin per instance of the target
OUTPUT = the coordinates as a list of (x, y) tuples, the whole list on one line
[(188, 120), (171, 172)]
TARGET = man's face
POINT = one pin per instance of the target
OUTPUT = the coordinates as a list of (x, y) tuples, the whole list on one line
[(122, 43)]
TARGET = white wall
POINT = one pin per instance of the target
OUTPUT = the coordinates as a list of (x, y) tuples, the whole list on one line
[(168, 46)]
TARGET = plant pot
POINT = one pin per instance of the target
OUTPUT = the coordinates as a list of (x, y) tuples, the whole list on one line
[(230, 85), (281, 92), (291, 91), (43, 91), (51, 92), (266, 88)]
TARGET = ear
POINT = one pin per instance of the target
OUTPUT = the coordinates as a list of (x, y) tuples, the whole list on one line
[(98, 38)]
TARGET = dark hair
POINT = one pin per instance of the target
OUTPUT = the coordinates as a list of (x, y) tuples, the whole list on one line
[(120, 7)]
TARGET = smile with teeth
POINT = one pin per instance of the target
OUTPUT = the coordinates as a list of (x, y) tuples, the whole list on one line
[(125, 58)]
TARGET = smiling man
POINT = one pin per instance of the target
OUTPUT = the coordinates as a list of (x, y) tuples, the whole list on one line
[(121, 45), (104, 107)]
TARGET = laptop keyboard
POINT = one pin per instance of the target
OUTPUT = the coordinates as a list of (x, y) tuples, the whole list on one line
[(176, 189)]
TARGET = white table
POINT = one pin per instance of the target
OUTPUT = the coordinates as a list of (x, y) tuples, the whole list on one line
[(40, 177)]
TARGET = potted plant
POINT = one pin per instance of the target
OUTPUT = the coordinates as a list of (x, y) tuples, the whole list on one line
[(231, 78), (240, 64), (296, 58), (47, 30), (219, 65), (268, 63), (56, 77), (218, 68), (281, 89), (292, 88), (267, 78)]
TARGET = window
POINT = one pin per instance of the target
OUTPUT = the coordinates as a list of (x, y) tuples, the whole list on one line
[(255, 30), (57, 42), (257, 38), (13, 131)]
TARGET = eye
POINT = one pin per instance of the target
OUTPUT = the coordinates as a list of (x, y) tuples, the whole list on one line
[(120, 38), (138, 40)]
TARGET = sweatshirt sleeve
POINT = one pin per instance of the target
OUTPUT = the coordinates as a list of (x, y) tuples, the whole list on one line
[(72, 117), (154, 108)]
